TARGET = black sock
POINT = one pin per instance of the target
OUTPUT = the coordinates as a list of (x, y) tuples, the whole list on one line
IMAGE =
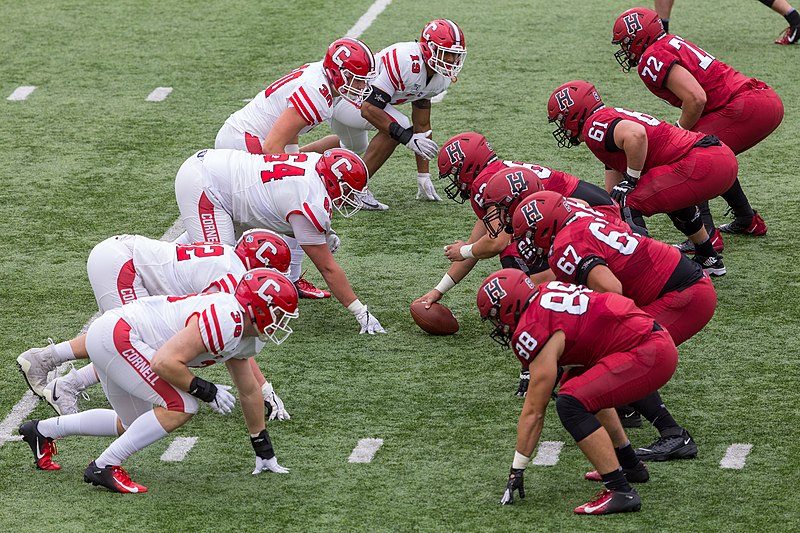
[(627, 457), (665, 23), (654, 410), (738, 201), (792, 17), (705, 248), (705, 214), (616, 481)]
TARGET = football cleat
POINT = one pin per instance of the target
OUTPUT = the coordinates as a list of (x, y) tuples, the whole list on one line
[(675, 444), (114, 478), (713, 265), (369, 203), (755, 226), (687, 246), (611, 501), (638, 474), (789, 36), (306, 289), (43, 448), (35, 364), (524, 381), (62, 394), (629, 417)]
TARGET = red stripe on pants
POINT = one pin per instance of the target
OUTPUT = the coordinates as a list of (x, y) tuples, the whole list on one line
[(253, 144), (208, 219), (125, 279)]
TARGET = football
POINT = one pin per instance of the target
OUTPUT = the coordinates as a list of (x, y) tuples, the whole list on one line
[(438, 320)]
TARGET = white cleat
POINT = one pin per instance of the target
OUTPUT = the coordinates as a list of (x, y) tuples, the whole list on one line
[(62, 394), (35, 364), (369, 202)]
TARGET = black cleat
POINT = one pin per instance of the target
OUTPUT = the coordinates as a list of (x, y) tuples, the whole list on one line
[(674, 444), (43, 448), (611, 501), (712, 265), (114, 478)]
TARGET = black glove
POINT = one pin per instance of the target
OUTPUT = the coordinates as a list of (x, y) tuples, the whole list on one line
[(524, 381), (515, 482), (622, 189)]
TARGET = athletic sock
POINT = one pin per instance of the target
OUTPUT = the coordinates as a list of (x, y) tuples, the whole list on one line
[(736, 198), (296, 265), (654, 410), (616, 481), (63, 352), (705, 214), (94, 423), (143, 432), (665, 23), (626, 456), (86, 377), (705, 248), (792, 17)]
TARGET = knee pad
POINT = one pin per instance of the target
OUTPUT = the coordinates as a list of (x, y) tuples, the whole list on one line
[(575, 417), (687, 220)]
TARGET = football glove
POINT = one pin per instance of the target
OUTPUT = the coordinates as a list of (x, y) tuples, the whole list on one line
[(369, 324), (423, 146), (524, 381), (273, 403), (333, 241), (425, 187), (515, 482), (214, 394), (270, 465), (622, 189)]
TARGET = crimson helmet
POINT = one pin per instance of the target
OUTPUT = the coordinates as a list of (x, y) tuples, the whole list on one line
[(505, 190), (536, 222), (439, 38), (569, 107), (345, 177), (634, 30), (350, 67), (461, 159), (502, 298), (270, 301), (262, 248)]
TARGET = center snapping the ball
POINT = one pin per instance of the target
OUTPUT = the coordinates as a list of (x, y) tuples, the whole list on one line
[(438, 320)]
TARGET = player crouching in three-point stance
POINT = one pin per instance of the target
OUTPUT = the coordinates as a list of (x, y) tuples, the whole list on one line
[(615, 354), (143, 353)]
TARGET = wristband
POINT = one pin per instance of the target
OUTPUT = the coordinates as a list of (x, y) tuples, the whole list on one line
[(635, 174), (678, 124), (520, 461), (399, 133), (262, 445), (357, 307), (291, 149), (202, 389), (423, 175), (466, 251), (446, 284)]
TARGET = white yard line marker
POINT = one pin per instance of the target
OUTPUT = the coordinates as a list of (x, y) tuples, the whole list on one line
[(159, 94), (736, 456), (548, 453), (178, 449), (367, 18), (18, 413), (438, 98), (365, 450), (21, 93)]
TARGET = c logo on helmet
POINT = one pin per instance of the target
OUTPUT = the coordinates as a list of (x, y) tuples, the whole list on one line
[(265, 247), (262, 291), (564, 99), (455, 153), (495, 291), (428, 29), (531, 214), (632, 23), (342, 50), (341, 162), (517, 182)]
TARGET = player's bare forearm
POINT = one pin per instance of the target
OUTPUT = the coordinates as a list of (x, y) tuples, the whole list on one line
[(285, 131), (612, 177), (632, 138), (487, 247), (377, 117), (544, 370), (170, 361), (249, 393), (333, 274), (421, 121), (460, 269)]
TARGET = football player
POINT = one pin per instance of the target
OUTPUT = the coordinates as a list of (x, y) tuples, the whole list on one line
[(617, 354), (651, 166), (144, 353), (222, 192), (125, 268), (407, 72), (586, 248), (713, 97), (272, 122)]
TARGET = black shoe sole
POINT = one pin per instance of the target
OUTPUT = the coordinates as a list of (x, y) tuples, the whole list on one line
[(688, 451)]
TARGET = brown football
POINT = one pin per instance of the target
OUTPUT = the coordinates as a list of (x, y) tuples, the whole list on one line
[(438, 320)]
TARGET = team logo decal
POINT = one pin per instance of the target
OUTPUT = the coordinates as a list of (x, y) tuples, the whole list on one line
[(342, 162), (262, 291), (633, 23), (341, 51), (531, 214), (494, 291), (454, 152), (517, 183), (564, 99)]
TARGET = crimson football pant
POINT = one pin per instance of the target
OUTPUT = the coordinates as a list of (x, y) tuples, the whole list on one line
[(684, 313)]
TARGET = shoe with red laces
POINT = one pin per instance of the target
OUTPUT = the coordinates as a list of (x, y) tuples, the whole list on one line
[(306, 289), (637, 474), (789, 36), (611, 501), (43, 448), (114, 478), (687, 246), (755, 226)]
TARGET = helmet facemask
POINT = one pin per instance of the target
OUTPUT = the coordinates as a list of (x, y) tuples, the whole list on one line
[(498, 220), (439, 60), (626, 59), (455, 190), (355, 88), (277, 330)]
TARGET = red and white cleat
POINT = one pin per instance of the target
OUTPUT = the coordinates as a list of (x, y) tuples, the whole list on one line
[(114, 478), (611, 501), (306, 289), (756, 227), (789, 36), (43, 448)]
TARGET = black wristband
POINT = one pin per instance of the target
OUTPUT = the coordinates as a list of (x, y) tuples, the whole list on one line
[(400, 134), (263, 445), (631, 180), (202, 389)]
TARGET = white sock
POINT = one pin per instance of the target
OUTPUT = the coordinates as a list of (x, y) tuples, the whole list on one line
[(95, 423), (85, 377), (144, 431), (184, 238), (63, 352), (296, 266)]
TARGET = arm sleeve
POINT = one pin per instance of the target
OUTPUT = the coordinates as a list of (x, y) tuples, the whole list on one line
[(585, 266), (305, 231)]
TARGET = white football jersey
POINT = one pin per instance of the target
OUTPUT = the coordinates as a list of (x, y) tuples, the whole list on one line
[(156, 319), (402, 74), (306, 89), (262, 191)]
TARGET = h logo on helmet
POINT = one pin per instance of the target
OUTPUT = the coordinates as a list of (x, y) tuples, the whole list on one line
[(531, 214), (262, 291), (341, 162), (517, 182), (564, 99), (633, 23), (341, 51), (494, 291), (455, 153)]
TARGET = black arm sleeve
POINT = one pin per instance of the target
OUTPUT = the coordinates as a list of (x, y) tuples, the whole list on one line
[(378, 98), (585, 266), (611, 146)]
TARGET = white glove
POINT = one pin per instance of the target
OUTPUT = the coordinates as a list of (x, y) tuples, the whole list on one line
[(333, 241), (369, 324), (424, 147), (275, 408), (224, 401), (269, 464), (425, 186)]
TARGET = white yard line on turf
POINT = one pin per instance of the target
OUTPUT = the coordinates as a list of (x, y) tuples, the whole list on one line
[(365, 450), (18, 413), (178, 449), (736, 456), (367, 18), (21, 93), (159, 94), (548, 453)]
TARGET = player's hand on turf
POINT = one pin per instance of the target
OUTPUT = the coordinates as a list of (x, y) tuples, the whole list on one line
[(270, 465), (453, 251), (274, 404), (425, 187), (515, 482), (223, 401), (430, 298), (369, 324), (423, 146)]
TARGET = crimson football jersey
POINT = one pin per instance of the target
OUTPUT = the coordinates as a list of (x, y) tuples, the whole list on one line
[(719, 81), (665, 143), (642, 265)]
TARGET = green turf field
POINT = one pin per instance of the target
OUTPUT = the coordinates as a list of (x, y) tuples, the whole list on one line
[(86, 157)]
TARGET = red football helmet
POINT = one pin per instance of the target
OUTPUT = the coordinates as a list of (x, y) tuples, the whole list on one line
[(350, 67), (634, 30), (461, 159), (536, 222), (345, 177), (502, 298), (569, 106), (443, 47), (505, 190), (262, 248), (270, 301)]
